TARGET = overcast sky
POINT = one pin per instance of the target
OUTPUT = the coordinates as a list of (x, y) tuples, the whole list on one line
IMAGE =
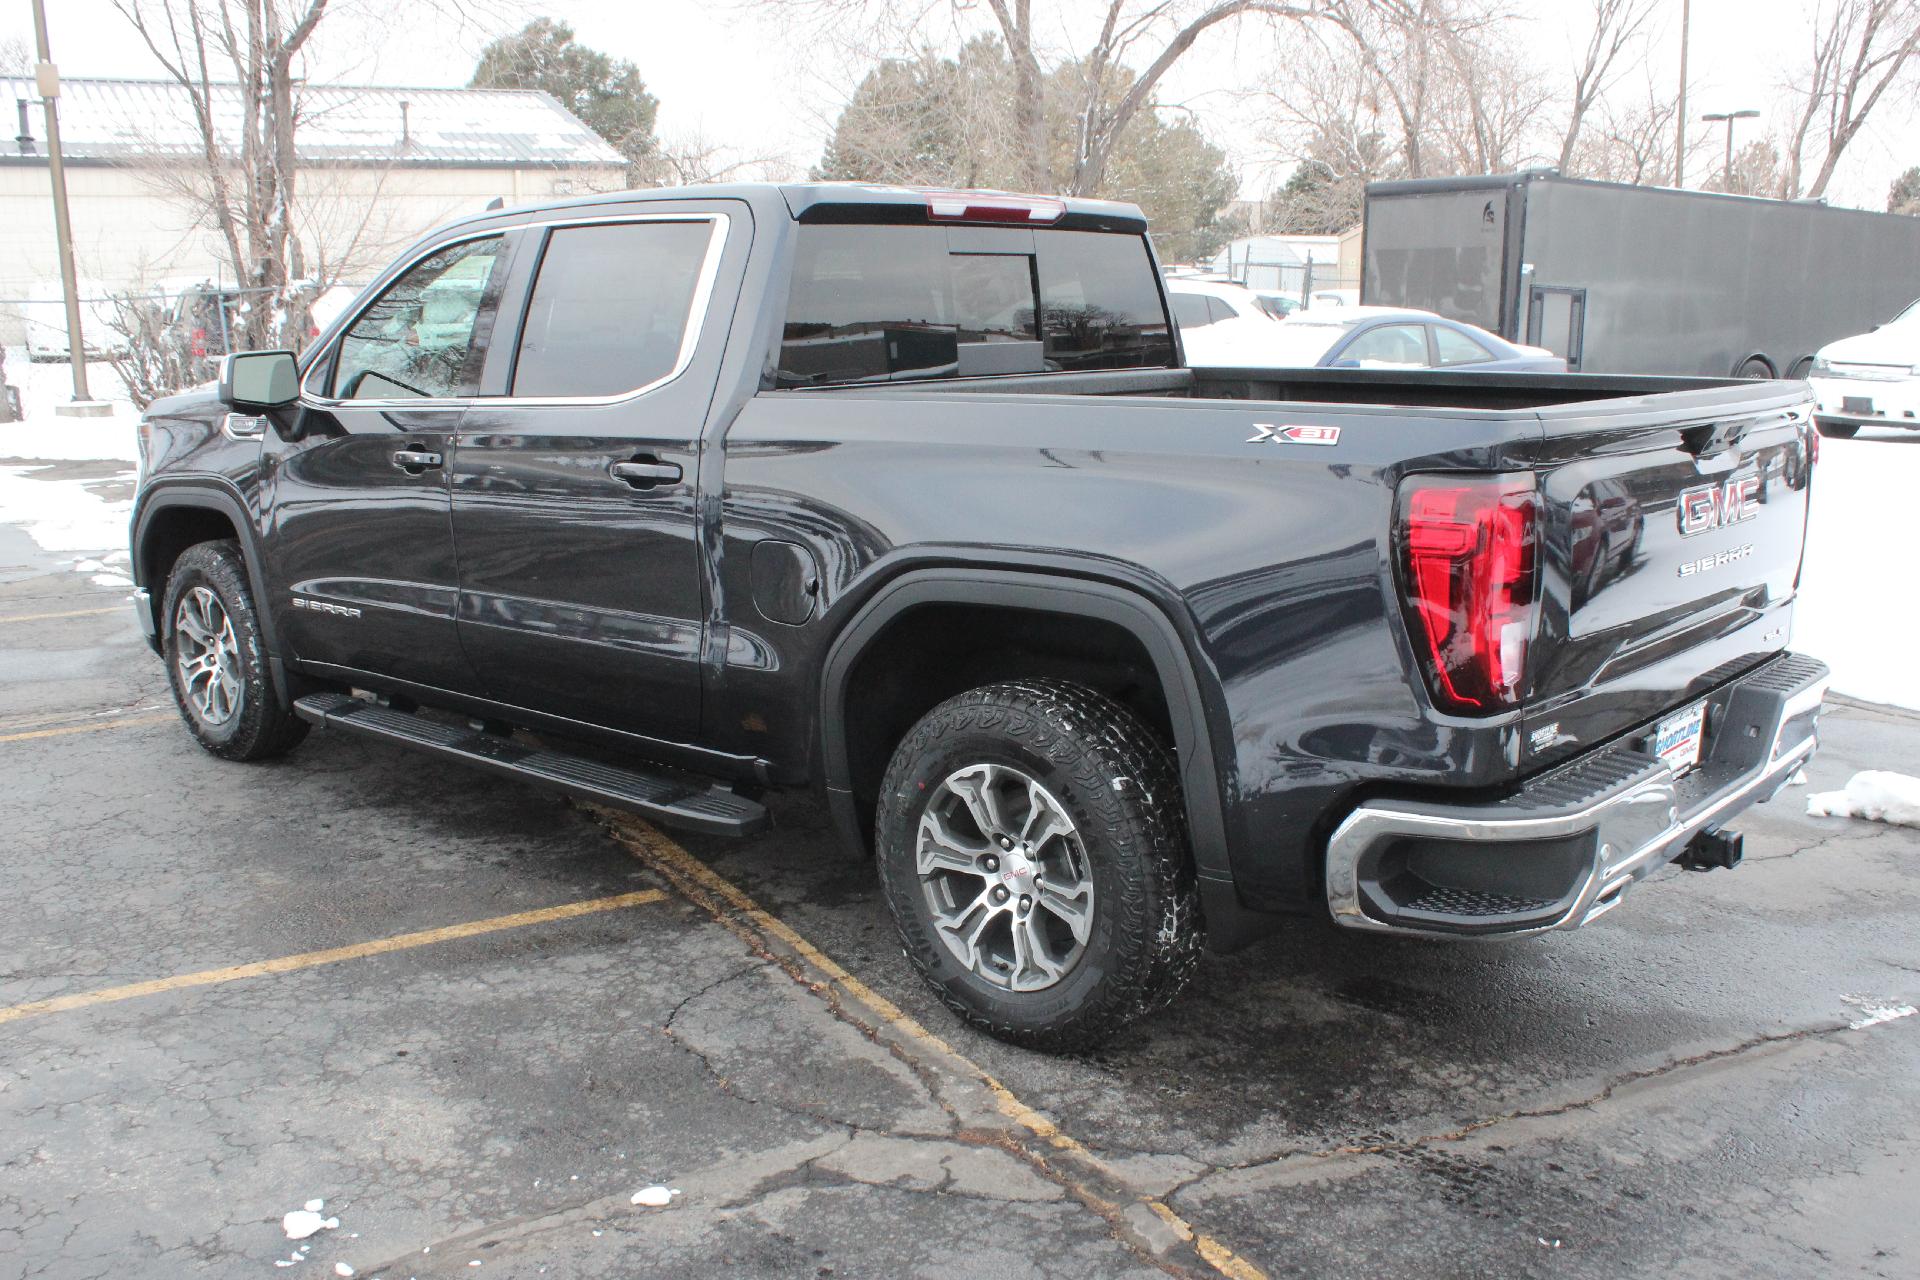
[(766, 82)]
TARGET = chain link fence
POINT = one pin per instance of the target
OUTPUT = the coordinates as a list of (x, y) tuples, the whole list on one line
[(159, 339)]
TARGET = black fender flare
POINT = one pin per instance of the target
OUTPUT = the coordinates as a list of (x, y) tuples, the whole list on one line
[(1124, 606), (208, 493)]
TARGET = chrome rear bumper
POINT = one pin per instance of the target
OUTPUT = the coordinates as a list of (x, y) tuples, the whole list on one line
[(1564, 848)]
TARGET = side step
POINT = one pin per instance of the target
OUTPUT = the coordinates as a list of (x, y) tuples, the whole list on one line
[(664, 798)]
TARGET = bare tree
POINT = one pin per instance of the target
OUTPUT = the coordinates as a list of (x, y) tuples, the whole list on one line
[(1150, 34), (1492, 102), (692, 157), (1861, 49), (252, 44), (1755, 171), (1459, 96), (1618, 27), (16, 57), (1629, 142)]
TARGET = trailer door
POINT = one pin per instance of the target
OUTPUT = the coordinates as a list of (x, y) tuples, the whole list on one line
[(1557, 320)]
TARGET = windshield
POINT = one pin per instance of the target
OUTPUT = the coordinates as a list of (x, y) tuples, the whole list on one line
[(1302, 342)]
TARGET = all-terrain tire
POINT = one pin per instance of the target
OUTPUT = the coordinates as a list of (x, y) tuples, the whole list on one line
[(261, 725), (1118, 782)]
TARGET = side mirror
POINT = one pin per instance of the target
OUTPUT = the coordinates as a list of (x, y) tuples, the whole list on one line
[(255, 381)]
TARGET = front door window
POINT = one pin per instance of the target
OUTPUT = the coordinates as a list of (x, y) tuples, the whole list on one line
[(426, 335)]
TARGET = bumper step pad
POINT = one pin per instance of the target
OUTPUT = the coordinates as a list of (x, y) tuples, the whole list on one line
[(660, 796)]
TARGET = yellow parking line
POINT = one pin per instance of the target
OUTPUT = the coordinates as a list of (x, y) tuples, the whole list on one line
[(70, 613), (333, 955), (127, 722), (687, 872)]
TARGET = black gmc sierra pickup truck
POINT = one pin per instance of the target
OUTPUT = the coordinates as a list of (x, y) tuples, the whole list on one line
[(667, 498)]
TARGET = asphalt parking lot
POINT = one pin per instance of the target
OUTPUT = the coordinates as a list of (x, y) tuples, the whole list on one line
[(476, 1019)]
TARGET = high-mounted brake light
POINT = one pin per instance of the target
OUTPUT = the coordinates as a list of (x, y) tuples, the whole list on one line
[(1468, 559), (976, 206)]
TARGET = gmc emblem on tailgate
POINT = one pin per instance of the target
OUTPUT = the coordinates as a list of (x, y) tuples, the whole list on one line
[(1716, 506)]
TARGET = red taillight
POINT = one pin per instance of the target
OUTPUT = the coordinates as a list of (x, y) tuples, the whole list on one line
[(199, 342), (978, 206), (1467, 554)]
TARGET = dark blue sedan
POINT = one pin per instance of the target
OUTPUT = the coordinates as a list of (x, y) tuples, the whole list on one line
[(1395, 338)]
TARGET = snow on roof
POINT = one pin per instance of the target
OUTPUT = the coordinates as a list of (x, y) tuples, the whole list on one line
[(122, 120)]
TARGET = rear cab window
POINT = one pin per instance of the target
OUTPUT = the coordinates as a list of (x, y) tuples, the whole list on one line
[(886, 303)]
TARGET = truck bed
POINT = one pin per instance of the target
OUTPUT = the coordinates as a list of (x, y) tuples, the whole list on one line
[(1422, 389)]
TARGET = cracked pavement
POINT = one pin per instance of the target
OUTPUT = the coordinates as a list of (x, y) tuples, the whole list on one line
[(1676, 1088)]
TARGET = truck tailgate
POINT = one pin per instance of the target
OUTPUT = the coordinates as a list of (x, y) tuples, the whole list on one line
[(1671, 534)]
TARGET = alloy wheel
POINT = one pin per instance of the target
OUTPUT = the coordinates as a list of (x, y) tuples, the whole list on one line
[(1006, 876), (207, 655)]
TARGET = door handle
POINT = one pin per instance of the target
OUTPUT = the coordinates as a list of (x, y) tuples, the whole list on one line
[(414, 461), (645, 472)]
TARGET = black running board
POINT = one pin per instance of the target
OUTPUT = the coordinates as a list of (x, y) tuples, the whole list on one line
[(661, 797)]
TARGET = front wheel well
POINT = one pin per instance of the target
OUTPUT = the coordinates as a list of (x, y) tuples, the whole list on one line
[(933, 651), (169, 533)]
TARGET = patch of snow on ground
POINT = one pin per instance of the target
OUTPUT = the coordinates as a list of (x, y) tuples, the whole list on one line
[(1873, 1012), (1858, 611), (1873, 794), (301, 1223), (64, 515), (46, 435), (655, 1197)]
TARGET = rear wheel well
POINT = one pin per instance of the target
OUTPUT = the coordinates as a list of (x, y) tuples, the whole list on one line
[(933, 651), (170, 532)]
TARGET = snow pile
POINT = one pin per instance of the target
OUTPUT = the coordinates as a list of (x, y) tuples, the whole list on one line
[(655, 1197), (301, 1223), (1856, 611), (1874, 794), (63, 515), (1874, 1012)]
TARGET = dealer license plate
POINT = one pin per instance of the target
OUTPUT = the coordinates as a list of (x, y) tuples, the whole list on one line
[(1862, 405), (1677, 739)]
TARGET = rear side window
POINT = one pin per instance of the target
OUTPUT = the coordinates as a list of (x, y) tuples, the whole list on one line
[(1455, 347), (1387, 346), (610, 308), (888, 303), (1190, 309)]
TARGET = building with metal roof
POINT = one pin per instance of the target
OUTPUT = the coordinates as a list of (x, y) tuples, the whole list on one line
[(378, 166)]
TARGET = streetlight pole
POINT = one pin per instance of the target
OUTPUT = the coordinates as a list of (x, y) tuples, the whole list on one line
[(47, 81), (1717, 117), (1680, 116)]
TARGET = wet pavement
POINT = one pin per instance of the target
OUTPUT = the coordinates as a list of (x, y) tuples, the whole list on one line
[(1677, 1088)]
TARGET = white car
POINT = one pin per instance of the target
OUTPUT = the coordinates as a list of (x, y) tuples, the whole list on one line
[(1869, 380), (1221, 323), (45, 313)]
